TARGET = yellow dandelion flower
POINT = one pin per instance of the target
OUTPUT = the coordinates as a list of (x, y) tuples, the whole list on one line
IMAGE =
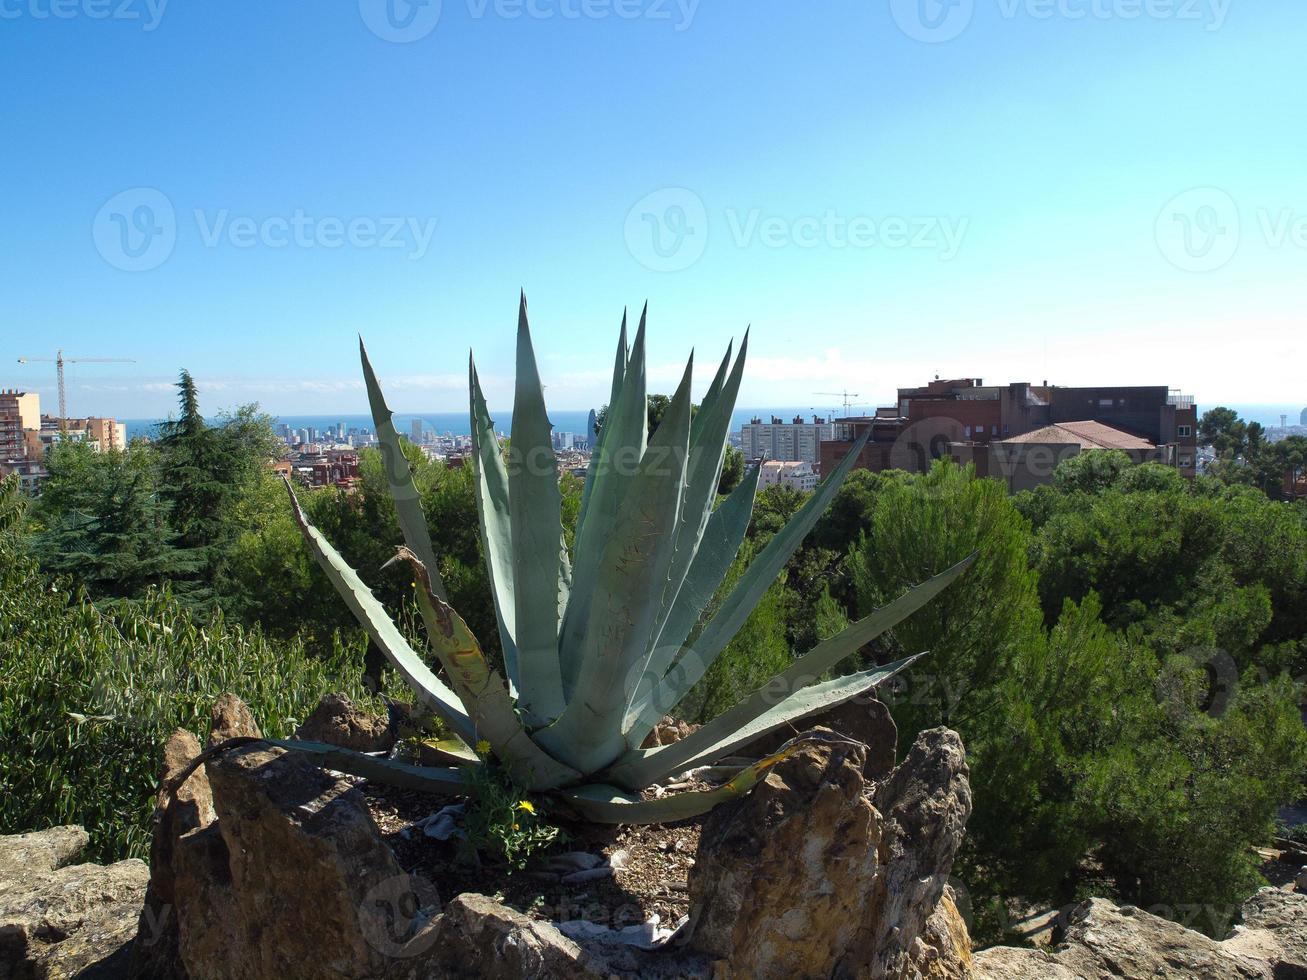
[(483, 747), (527, 806)]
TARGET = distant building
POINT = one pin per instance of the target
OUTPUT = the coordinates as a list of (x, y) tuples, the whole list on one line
[(963, 417), (1024, 462), (796, 441), (20, 411), (415, 432), (332, 467), (1302, 419), (795, 475), (592, 428)]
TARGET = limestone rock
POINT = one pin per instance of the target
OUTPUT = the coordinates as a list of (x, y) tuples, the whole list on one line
[(155, 954), (667, 731), (1011, 963), (926, 802), (479, 938), (63, 920), (1274, 928), (338, 721), (943, 950), (293, 872), (805, 877), (231, 718), (1104, 942), (864, 720), (44, 850)]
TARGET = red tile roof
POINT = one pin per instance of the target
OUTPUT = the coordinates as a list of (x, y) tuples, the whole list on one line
[(1087, 435)]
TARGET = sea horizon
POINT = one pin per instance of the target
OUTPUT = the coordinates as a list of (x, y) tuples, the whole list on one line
[(575, 420)]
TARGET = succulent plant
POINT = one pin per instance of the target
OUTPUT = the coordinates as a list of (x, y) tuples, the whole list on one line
[(595, 642)]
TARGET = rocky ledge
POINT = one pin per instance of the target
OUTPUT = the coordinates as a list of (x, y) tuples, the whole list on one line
[(59, 918), (1107, 942), (264, 867)]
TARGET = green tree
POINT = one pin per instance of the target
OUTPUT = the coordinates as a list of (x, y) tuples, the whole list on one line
[(1222, 429), (1091, 471), (974, 630), (104, 525), (203, 470), (732, 470)]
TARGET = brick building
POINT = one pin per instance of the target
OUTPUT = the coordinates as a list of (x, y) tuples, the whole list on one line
[(963, 417)]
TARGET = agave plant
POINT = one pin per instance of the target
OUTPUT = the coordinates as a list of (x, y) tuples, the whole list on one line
[(596, 643)]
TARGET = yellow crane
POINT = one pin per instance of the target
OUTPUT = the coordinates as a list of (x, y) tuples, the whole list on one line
[(59, 361)]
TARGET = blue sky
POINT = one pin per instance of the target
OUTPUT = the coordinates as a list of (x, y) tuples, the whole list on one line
[(1084, 191)]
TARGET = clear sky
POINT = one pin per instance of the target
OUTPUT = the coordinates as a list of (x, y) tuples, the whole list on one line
[(1083, 191)]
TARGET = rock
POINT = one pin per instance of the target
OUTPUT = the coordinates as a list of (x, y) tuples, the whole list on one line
[(155, 953), (63, 920), (1104, 942), (337, 721), (667, 731), (943, 950), (1274, 928), (231, 718), (1010, 963), (480, 938), (1300, 882), (44, 850), (292, 872), (926, 802), (867, 721), (805, 877)]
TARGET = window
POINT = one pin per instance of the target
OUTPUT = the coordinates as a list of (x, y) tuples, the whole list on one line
[(1184, 431), (1186, 462)]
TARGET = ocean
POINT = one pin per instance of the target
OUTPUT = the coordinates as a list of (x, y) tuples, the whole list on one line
[(456, 423)]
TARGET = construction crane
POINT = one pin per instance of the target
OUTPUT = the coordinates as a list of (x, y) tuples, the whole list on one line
[(59, 361), (846, 395)]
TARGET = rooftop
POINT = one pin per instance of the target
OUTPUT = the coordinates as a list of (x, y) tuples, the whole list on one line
[(1087, 435)]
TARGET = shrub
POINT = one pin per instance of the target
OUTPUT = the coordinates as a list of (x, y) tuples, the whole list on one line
[(88, 697)]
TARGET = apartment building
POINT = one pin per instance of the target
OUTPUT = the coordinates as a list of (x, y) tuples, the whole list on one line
[(20, 411), (795, 475), (793, 441)]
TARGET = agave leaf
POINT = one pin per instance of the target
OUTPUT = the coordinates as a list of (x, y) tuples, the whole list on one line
[(619, 374), (740, 727), (640, 767), (747, 592), (721, 542), (535, 509), (635, 563), (426, 779), (491, 481), (482, 690), (703, 472), (622, 447), (373, 617), (399, 475), (710, 397), (601, 803)]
